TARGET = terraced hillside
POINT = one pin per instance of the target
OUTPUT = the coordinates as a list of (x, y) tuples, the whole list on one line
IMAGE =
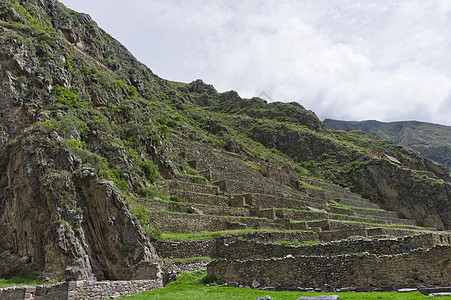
[(233, 201), (106, 168)]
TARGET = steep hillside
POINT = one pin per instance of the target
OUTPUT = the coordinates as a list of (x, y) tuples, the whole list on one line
[(433, 141), (98, 155)]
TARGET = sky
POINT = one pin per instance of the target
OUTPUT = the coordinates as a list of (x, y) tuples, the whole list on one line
[(386, 60)]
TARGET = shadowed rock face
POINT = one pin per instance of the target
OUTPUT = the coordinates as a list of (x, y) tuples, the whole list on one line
[(83, 123), (56, 215), (64, 220), (411, 196)]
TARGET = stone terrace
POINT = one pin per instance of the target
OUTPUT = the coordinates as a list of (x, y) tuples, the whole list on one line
[(231, 194)]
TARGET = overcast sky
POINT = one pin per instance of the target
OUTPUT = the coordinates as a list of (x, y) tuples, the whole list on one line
[(387, 60)]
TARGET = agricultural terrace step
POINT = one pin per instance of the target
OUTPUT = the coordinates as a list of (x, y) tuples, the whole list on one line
[(236, 247), (200, 198), (342, 195), (302, 236), (378, 213), (357, 202), (191, 178), (271, 201), (241, 187), (315, 215), (266, 201), (181, 207), (387, 216), (328, 224), (326, 186), (300, 215), (243, 249), (221, 164), (189, 186), (180, 222)]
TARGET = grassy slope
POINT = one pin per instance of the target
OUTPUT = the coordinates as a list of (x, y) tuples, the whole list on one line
[(191, 287), (433, 141)]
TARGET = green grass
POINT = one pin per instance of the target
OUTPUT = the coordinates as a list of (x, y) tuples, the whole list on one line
[(188, 259), (191, 286), (29, 279), (310, 186), (208, 235)]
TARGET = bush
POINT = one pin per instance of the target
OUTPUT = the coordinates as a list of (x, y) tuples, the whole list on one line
[(151, 232), (114, 176), (150, 170), (176, 199), (65, 96)]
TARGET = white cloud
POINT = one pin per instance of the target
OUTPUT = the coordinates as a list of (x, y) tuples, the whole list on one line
[(352, 59)]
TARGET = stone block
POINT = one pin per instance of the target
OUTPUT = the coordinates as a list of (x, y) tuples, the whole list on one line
[(427, 291), (406, 290)]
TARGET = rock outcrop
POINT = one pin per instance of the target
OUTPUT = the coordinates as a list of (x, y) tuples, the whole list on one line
[(58, 214), (59, 217)]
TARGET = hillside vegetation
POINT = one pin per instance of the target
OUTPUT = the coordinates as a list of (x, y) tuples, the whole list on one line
[(87, 133), (432, 141)]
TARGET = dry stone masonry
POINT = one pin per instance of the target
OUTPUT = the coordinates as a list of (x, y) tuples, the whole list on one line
[(78, 290), (423, 260)]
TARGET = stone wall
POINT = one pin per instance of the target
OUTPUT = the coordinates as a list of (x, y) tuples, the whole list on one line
[(242, 249), (258, 245), (175, 222), (77, 290), (419, 267), (185, 249), (283, 175)]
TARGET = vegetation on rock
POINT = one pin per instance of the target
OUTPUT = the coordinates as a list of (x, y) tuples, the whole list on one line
[(86, 130), (432, 141)]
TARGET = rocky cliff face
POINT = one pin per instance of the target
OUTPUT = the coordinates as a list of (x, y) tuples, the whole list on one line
[(57, 215), (85, 129)]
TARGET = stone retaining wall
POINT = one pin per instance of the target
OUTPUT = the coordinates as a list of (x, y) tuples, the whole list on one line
[(286, 201), (416, 268), (172, 222), (185, 249), (207, 199), (78, 290), (252, 245), (186, 208), (242, 249)]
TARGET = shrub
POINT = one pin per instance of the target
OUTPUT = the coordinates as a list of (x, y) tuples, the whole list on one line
[(150, 170), (114, 176), (151, 232), (47, 40), (176, 199), (65, 96)]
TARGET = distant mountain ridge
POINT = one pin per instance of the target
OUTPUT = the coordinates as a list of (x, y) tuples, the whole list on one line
[(433, 141)]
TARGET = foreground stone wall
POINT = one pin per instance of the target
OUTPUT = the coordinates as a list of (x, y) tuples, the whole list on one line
[(242, 249), (261, 245), (78, 290), (419, 267)]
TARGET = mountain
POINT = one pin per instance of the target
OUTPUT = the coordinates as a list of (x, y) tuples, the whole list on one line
[(433, 141), (98, 155)]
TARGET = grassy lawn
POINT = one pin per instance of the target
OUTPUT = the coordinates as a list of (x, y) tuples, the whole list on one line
[(29, 279), (191, 286)]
